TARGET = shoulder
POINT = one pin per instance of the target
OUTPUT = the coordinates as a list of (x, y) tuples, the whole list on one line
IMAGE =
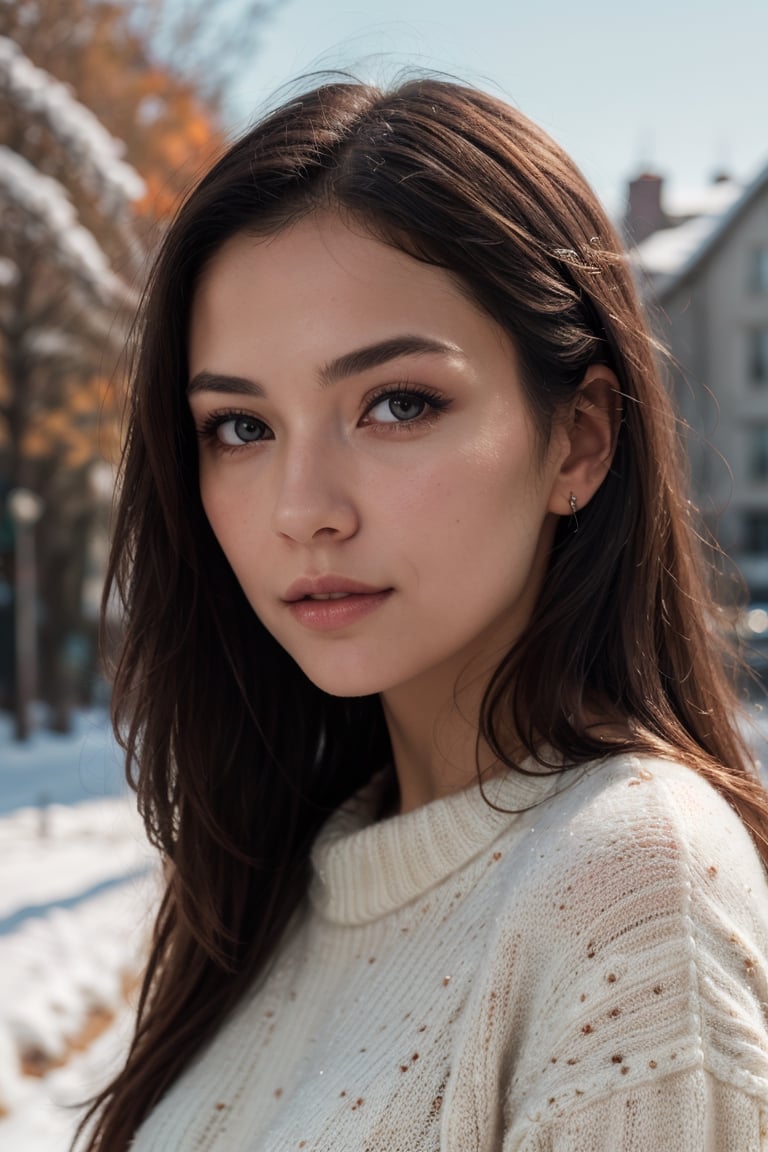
[(632, 940), (644, 814), (636, 840), (632, 786)]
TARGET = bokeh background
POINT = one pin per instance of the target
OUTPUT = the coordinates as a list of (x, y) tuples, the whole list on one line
[(108, 110)]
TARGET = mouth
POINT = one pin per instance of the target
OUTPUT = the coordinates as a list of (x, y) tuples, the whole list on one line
[(328, 611), (330, 596), (329, 587)]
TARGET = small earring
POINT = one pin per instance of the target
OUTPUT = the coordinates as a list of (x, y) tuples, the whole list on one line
[(574, 505)]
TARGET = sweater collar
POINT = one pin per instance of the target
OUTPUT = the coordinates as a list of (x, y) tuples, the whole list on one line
[(363, 869)]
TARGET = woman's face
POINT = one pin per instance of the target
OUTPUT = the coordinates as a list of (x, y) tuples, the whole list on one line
[(364, 434)]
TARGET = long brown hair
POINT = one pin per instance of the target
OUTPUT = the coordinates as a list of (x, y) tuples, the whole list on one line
[(237, 758)]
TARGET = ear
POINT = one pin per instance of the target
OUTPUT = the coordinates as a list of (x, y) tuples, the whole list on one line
[(591, 429)]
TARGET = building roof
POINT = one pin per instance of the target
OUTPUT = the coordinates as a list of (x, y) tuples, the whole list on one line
[(670, 255), (707, 200), (665, 252)]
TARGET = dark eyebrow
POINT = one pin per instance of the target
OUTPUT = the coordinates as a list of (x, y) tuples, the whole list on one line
[(363, 359), (350, 364), (215, 382)]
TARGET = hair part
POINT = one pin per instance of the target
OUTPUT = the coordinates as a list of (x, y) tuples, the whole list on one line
[(231, 793)]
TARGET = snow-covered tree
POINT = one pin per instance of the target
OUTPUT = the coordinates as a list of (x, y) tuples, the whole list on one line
[(66, 295), (108, 109), (46, 99), (59, 276)]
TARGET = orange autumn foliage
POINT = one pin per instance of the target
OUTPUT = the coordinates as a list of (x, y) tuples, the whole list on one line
[(84, 425)]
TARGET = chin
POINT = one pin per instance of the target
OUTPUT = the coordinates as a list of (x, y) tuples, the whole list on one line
[(347, 680), (351, 692), (345, 685)]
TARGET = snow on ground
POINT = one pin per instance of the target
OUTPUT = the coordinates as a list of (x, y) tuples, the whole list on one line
[(58, 974), (78, 888), (62, 851), (45, 1113), (55, 769)]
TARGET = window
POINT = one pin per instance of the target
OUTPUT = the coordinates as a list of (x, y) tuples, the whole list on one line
[(756, 532), (759, 273), (757, 455), (758, 356)]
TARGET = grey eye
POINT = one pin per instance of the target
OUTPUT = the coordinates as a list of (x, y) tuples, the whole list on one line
[(241, 430), (398, 409)]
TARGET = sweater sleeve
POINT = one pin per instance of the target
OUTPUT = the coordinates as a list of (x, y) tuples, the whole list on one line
[(688, 1110), (635, 969)]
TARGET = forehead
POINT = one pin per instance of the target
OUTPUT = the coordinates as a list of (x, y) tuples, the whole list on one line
[(331, 284)]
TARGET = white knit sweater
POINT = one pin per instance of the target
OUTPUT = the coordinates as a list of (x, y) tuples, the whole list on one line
[(589, 975)]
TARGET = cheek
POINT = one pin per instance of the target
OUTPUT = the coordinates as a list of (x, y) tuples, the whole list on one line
[(217, 508), (232, 518), (490, 491)]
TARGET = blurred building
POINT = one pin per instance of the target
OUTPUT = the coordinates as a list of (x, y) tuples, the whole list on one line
[(702, 263)]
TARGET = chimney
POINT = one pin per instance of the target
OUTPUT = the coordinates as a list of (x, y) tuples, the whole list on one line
[(644, 212)]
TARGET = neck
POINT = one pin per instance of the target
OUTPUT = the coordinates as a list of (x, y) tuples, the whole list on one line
[(433, 727)]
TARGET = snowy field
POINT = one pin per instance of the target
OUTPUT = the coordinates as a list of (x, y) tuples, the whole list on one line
[(60, 770), (78, 888)]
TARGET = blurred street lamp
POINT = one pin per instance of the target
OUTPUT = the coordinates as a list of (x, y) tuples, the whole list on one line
[(25, 508), (101, 477)]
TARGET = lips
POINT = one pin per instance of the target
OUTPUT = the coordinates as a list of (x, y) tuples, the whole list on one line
[(339, 613), (332, 603), (328, 587)]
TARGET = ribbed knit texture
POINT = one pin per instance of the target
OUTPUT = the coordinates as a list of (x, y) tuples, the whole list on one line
[(588, 975)]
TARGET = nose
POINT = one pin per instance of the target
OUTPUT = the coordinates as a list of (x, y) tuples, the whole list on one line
[(314, 498)]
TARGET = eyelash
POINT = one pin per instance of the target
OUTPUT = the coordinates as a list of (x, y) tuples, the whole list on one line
[(435, 401)]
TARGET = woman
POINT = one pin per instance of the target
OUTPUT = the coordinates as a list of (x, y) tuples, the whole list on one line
[(421, 685)]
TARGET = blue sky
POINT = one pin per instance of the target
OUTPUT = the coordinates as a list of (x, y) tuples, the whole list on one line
[(677, 85)]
